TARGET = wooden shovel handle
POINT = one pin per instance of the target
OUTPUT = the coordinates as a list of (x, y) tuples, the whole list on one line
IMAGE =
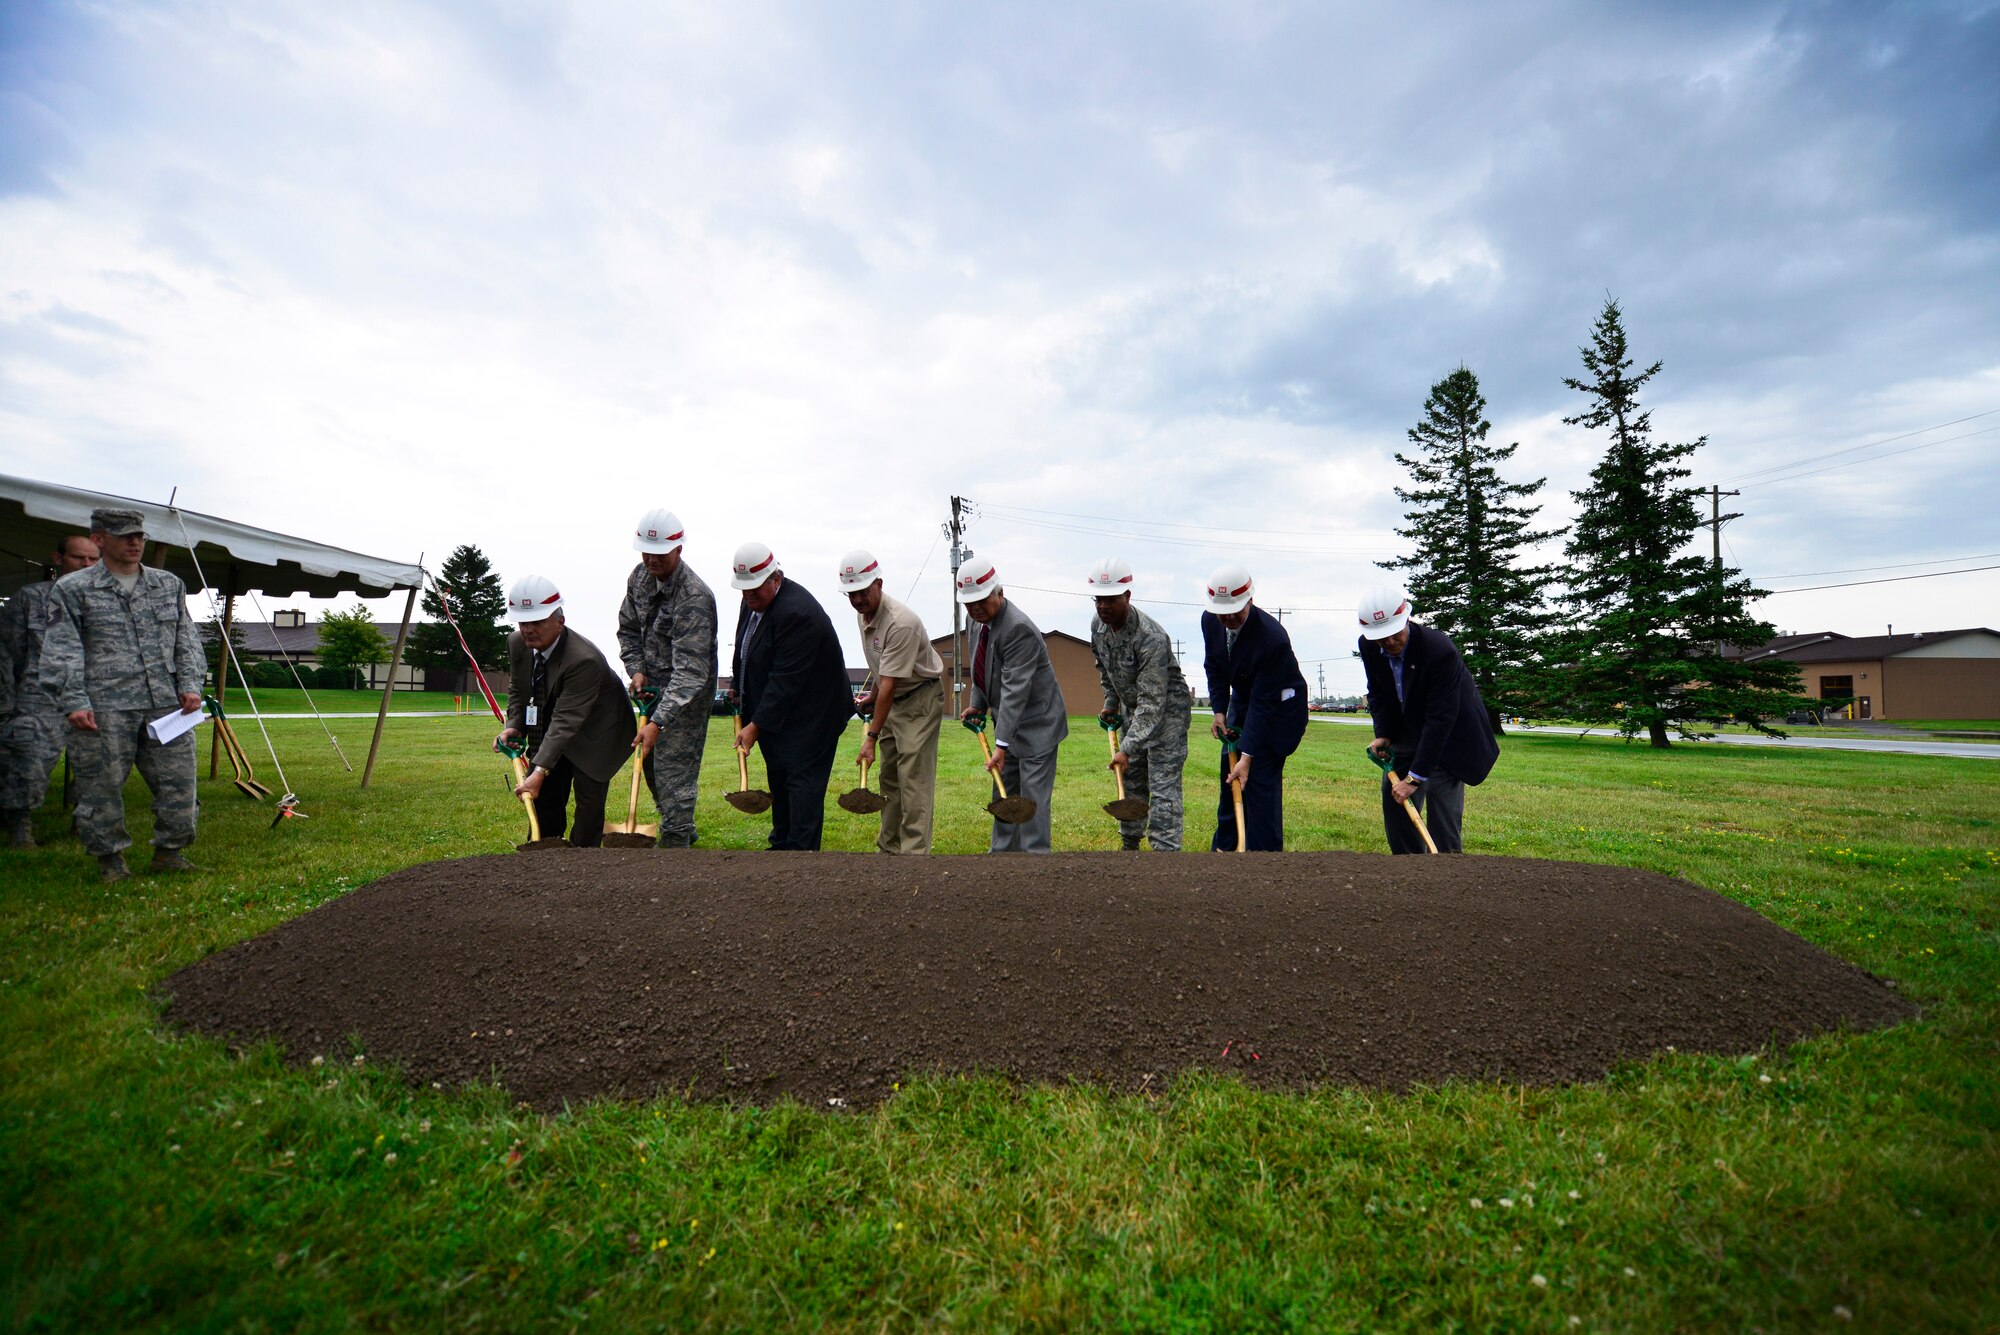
[(864, 771), (1112, 735), (534, 821), (742, 770), (1242, 835), (987, 751), (1415, 819), (632, 806)]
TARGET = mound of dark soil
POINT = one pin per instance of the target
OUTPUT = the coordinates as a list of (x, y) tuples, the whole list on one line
[(753, 975)]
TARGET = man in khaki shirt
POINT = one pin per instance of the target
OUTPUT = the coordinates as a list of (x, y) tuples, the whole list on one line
[(906, 706)]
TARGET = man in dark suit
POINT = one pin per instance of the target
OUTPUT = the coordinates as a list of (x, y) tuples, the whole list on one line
[(1013, 678), (792, 680), (1428, 715), (571, 707), (1259, 698)]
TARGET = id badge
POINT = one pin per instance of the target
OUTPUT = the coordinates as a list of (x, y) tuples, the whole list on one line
[(534, 715)]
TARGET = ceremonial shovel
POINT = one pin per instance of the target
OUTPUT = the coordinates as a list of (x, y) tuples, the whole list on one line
[(1382, 763), (1007, 810), (239, 763), (859, 800), (1236, 790), (632, 834), (1125, 808), (749, 801), (536, 843)]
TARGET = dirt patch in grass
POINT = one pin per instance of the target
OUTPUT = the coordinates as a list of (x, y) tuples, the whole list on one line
[(750, 976)]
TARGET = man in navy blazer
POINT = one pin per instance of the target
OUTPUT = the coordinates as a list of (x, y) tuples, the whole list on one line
[(1428, 715), (792, 681), (1259, 698)]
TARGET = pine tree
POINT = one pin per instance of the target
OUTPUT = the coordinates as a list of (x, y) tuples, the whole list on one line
[(477, 601), (1647, 613), (1467, 530)]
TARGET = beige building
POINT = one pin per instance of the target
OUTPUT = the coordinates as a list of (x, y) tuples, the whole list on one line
[(1943, 674)]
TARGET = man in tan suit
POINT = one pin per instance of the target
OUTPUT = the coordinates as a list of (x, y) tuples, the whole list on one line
[(904, 710), (572, 708)]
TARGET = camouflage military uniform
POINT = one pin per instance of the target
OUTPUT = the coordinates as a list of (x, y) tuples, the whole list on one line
[(129, 658), (32, 728), (667, 631), (1142, 681)]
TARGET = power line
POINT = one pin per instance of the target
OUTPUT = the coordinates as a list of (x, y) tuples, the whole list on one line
[(1862, 570), (1891, 579), (1218, 546), (1852, 449), (1873, 458), (1200, 528)]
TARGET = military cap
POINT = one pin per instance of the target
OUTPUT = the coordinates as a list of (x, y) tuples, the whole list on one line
[(117, 523)]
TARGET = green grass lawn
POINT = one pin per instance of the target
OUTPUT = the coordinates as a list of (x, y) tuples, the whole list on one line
[(159, 1182)]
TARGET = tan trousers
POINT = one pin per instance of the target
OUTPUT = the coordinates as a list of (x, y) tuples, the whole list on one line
[(906, 760)]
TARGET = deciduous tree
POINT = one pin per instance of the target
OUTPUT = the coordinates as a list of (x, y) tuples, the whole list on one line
[(350, 641)]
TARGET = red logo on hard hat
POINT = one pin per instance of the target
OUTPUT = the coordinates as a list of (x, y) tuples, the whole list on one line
[(555, 597)]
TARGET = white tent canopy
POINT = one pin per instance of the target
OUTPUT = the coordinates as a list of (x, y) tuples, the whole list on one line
[(234, 558)]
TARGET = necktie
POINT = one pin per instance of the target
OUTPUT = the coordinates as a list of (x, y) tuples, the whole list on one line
[(538, 683), (979, 662), (1229, 641)]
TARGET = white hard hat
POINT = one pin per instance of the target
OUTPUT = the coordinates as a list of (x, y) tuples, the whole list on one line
[(533, 598), (659, 533), (858, 569), (1384, 610), (1109, 578), (754, 564), (976, 580), (1229, 589)]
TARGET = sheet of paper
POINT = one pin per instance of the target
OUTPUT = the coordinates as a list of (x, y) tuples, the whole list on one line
[(169, 726)]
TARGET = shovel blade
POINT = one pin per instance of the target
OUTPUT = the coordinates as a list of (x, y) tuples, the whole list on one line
[(1012, 810), (541, 845), (248, 791), (861, 802), (750, 801), (1127, 808)]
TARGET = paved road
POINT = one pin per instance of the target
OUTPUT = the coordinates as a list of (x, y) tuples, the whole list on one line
[(1913, 747)]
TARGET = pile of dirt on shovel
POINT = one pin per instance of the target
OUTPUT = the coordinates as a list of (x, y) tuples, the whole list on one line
[(751, 976)]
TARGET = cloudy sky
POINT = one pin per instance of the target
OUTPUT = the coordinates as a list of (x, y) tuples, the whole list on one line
[(1165, 280)]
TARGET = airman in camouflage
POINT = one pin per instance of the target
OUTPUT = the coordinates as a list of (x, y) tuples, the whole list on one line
[(119, 651), (1144, 688), (666, 639), (32, 727)]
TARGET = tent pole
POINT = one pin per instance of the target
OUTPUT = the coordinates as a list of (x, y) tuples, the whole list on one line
[(395, 661), (221, 681)]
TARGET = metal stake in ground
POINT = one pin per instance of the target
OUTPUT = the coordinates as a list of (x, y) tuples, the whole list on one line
[(515, 751), (1007, 810), (747, 800), (859, 800), (1125, 808), (631, 834), (1382, 763)]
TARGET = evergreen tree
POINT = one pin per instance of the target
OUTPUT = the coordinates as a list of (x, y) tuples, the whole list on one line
[(1467, 529), (1648, 614), (478, 601), (350, 641)]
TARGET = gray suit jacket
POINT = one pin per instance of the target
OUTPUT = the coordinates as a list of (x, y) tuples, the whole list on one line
[(1022, 694)]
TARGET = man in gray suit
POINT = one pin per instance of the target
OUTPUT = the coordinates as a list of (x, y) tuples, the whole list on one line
[(1013, 680)]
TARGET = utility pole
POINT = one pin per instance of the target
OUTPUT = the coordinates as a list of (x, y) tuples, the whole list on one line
[(1322, 683), (1179, 652), (955, 530), (1716, 519)]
